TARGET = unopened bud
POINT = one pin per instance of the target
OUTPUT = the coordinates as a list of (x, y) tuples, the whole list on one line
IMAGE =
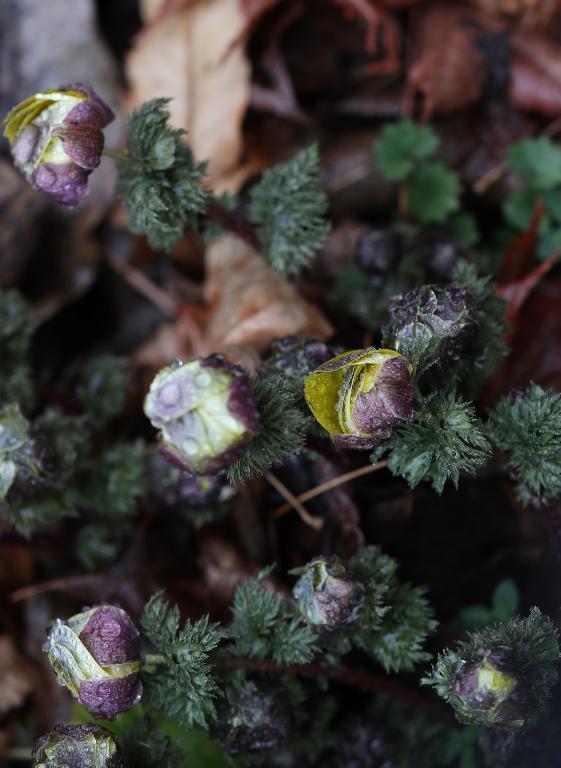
[(205, 412), (327, 594), (96, 655), (359, 397)]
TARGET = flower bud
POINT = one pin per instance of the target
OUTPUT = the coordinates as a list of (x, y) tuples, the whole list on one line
[(327, 594), (205, 411), (294, 359), (77, 746), (96, 655), (56, 139), (252, 717), (440, 317), (360, 396), (486, 691)]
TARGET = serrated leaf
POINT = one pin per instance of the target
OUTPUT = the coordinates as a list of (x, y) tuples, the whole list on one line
[(401, 145), (287, 208), (537, 161), (433, 192), (518, 208)]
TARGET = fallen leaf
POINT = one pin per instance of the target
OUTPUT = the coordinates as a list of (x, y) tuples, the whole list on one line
[(205, 75), (535, 82), (250, 304), (447, 70)]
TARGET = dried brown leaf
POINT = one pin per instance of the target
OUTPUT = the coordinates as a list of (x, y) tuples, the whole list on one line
[(447, 72), (250, 304), (535, 83), (188, 55)]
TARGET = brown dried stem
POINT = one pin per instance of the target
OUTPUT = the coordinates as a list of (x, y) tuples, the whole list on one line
[(329, 485)]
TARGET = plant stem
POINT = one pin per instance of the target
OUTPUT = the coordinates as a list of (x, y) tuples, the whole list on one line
[(329, 485), (116, 153), (313, 522), (232, 223), (150, 662), (357, 678)]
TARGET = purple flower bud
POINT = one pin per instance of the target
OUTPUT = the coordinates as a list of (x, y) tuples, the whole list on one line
[(360, 396), (96, 655), (77, 746), (56, 139), (205, 411), (439, 316), (328, 596), (252, 717), (487, 691)]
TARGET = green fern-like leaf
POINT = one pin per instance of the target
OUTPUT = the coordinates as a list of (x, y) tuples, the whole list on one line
[(160, 181), (287, 209), (264, 626), (283, 431), (395, 618), (526, 426), (446, 440), (183, 688)]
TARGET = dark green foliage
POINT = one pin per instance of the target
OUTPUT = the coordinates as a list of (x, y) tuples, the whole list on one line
[(404, 152), (395, 619), (534, 646), (537, 162), (98, 544), (460, 745), (102, 388), (18, 459), (387, 734), (287, 209), (265, 626), (487, 348), (446, 440), (182, 686), (433, 192), (16, 326), (526, 427), (117, 481), (401, 145), (45, 500), (504, 605), (160, 181), (283, 431), (144, 745)]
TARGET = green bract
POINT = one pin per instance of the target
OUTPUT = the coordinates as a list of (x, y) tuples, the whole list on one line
[(360, 396)]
